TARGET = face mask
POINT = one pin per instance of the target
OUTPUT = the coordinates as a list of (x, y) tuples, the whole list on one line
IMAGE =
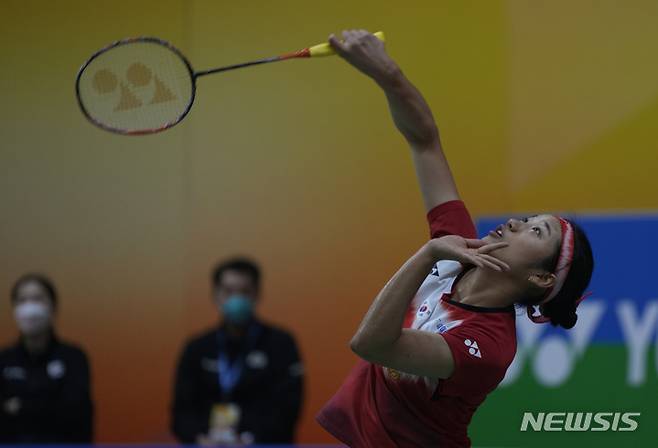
[(32, 318), (237, 309)]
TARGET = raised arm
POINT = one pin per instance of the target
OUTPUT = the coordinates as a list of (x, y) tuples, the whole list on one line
[(410, 112)]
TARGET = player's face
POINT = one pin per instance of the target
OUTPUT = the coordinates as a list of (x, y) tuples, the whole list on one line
[(531, 242)]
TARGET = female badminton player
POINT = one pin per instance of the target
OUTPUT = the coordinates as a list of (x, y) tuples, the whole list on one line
[(433, 346)]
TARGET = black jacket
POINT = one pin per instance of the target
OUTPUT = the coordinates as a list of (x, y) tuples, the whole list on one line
[(54, 391), (268, 392)]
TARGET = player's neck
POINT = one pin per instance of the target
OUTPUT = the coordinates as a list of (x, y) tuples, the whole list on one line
[(481, 287)]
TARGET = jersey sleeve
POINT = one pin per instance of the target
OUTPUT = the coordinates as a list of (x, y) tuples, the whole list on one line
[(479, 362), (451, 218)]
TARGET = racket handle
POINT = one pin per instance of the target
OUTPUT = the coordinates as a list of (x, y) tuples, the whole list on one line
[(326, 49)]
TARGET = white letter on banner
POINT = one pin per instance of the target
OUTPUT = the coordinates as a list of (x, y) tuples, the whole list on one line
[(637, 331)]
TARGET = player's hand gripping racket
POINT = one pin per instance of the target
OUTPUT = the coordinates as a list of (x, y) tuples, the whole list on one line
[(145, 85)]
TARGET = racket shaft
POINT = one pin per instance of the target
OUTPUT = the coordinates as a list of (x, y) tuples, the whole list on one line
[(236, 66), (319, 50)]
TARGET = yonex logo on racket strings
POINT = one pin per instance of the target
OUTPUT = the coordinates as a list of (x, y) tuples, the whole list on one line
[(473, 348), (138, 76)]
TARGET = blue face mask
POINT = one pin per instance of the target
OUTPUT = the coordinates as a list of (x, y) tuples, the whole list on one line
[(238, 309)]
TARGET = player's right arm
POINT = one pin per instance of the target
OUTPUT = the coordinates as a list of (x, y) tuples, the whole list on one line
[(411, 114)]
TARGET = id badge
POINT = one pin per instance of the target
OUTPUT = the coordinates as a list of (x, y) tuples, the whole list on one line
[(224, 415)]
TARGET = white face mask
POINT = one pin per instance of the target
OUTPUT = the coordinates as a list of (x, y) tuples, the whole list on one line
[(32, 317)]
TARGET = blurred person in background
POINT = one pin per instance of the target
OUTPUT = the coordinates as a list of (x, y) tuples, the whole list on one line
[(44, 382), (240, 382)]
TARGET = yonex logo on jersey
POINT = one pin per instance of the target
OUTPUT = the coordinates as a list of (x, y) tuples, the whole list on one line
[(435, 271), (473, 348)]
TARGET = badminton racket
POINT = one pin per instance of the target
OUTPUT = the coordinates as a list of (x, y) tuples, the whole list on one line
[(145, 85)]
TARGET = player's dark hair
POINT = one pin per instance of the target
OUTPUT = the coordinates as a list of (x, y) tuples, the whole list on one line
[(242, 265), (561, 310), (42, 280)]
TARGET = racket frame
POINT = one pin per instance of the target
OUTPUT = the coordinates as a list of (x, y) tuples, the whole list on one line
[(126, 41)]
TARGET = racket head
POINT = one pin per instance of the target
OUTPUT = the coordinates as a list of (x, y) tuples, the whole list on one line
[(136, 86)]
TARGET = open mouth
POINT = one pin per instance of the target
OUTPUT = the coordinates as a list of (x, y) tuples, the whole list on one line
[(497, 232)]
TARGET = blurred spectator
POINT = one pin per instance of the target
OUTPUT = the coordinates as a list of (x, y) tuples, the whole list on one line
[(44, 383), (242, 381)]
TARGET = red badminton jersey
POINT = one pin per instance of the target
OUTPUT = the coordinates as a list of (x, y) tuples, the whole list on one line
[(379, 407)]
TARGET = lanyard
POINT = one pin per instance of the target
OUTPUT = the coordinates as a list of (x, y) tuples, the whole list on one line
[(229, 374)]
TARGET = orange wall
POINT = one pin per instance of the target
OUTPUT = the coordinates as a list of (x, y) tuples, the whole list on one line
[(542, 105)]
